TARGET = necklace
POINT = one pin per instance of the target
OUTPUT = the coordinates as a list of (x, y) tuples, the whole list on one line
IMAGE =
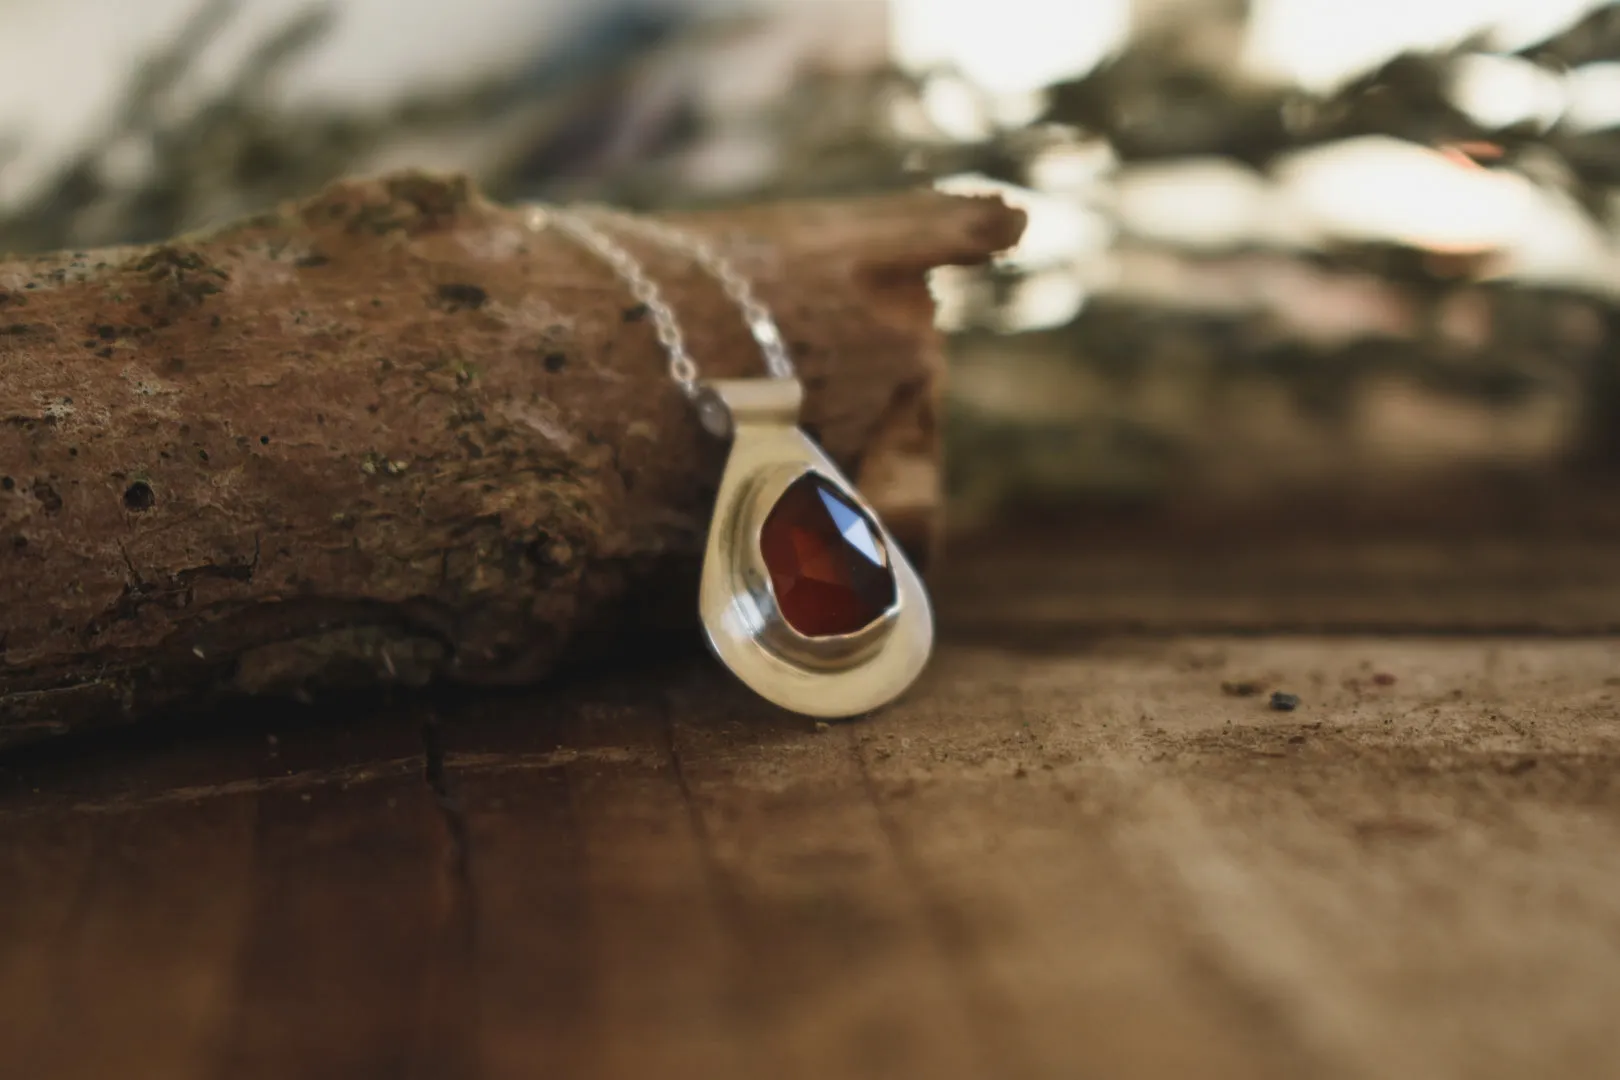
[(804, 596)]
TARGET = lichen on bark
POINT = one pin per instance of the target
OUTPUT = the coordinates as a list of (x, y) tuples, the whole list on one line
[(393, 433)]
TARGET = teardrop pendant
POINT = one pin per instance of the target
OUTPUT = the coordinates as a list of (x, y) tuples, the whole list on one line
[(805, 596)]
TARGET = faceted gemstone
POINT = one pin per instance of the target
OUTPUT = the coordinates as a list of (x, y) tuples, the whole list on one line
[(828, 564)]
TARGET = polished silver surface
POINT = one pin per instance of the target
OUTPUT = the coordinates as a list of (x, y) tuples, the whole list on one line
[(834, 676), (839, 676)]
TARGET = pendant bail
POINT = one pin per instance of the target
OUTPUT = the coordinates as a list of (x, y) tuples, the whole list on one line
[(726, 404)]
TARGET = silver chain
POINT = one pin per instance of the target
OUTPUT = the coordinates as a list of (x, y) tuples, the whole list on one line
[(582, 227)]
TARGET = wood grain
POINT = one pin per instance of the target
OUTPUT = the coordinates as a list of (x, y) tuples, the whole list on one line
[(1080, 859)]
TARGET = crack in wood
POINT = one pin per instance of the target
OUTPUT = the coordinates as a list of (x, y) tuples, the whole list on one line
[(451, 811), (991, 1016)]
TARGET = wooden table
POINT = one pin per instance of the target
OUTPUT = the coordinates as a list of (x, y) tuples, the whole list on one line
[(1069, 853)]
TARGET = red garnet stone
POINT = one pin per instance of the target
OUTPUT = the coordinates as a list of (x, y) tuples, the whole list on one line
[(828, 564)]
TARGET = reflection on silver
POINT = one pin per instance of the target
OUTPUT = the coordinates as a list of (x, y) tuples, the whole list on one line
[(836, 676)]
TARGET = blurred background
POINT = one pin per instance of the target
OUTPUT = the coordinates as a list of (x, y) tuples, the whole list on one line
[(1276, 726), (1291, 263)]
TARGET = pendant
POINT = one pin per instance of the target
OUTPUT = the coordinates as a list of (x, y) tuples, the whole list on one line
[(805, 596)]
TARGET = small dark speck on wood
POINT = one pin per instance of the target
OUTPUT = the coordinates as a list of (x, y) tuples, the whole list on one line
[(457, 296), (139, 496), (1283, 702), (47, 496)]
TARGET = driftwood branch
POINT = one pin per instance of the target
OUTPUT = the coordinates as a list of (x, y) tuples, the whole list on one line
[(391, 434)]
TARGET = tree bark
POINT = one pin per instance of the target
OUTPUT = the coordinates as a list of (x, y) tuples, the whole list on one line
[(392, 434)]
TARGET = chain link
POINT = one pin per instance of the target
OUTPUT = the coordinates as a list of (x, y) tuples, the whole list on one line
[(682, 368), (582, 226), (761, 324)]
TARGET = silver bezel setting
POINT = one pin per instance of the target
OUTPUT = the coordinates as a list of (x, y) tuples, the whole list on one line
[(755, 590), (844, 675)]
